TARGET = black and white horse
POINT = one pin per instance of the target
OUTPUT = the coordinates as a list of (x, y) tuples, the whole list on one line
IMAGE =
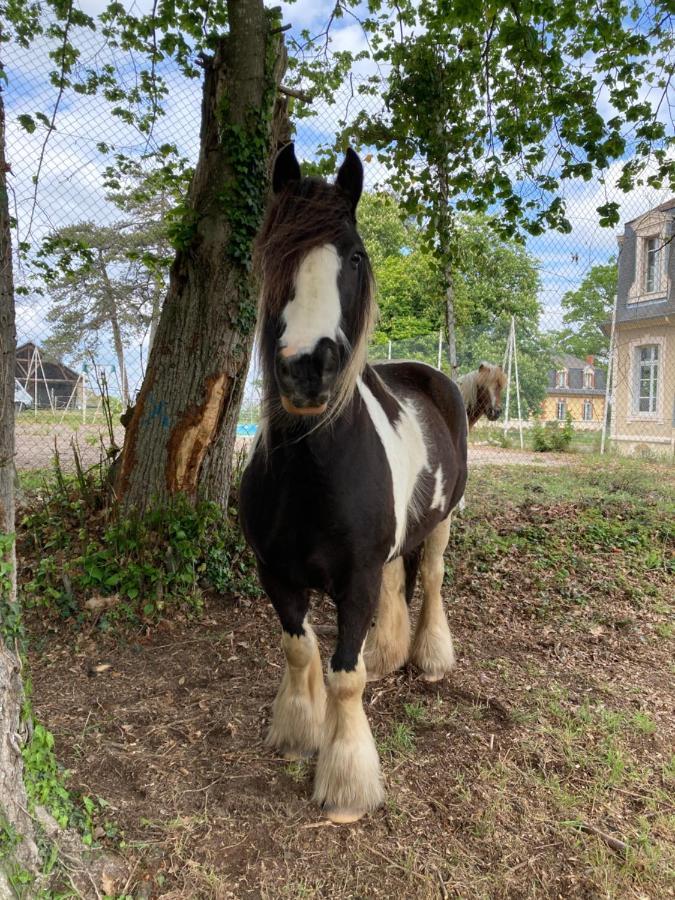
[(356, 470)]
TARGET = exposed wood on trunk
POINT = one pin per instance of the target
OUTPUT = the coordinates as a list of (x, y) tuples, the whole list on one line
[(193, 435), (13, 802), (182, 432)]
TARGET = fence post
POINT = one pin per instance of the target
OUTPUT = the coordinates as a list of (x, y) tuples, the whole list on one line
[(610, 375)]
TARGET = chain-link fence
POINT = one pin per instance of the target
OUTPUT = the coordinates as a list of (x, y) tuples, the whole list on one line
[(92, 260)]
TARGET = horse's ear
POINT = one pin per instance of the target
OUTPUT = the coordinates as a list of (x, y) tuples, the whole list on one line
[(350, 177), (286, 168), (482, 367)]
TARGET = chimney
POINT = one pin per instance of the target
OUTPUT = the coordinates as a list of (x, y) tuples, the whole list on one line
[(590, 360)]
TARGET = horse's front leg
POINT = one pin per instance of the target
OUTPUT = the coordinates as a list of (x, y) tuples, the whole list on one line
[(348, 781), (299, 708)]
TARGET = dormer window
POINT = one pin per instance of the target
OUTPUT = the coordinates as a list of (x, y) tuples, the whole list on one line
[(652, 264), (561, 378), (589, 378)]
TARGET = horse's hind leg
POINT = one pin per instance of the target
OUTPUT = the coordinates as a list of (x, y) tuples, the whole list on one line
[(299, 708), (388, 640), (433, 652), (348, 781)]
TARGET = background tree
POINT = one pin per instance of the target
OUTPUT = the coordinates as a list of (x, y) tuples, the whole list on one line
[(495, 279), (586, 310), (98, 289), (481, 97), (109, 281)]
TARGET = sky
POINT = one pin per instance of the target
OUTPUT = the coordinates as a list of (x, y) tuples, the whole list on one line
[(70, 182)]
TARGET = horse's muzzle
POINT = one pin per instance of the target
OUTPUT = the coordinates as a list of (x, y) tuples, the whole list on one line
[(493, 413), (306, 379)]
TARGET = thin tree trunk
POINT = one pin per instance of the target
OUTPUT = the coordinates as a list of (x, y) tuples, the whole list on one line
[(181, 435), (446, 238), (116, 330), (119, 352), (450, 321), (13, 802)]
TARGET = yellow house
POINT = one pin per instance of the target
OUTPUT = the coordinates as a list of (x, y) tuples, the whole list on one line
[(643, 359), (577, 387)]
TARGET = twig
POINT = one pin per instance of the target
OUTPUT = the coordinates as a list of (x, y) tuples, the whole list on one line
[(612, 842), (294, 92)]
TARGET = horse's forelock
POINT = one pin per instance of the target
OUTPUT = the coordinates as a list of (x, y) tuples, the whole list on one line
[(305, 215)]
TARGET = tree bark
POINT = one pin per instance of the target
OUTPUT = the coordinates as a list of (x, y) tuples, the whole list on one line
[(181, 435), (14, 818)]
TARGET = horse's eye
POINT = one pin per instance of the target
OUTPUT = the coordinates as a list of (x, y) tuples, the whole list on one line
[(356, 258)]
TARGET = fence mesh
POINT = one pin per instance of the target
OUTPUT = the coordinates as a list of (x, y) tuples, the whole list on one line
[(92, 260)]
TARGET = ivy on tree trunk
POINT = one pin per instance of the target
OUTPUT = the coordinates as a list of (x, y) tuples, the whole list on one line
[(180, 437)]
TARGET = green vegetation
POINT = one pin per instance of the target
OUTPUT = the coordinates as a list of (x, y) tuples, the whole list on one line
[(551, 437), (91, 560)]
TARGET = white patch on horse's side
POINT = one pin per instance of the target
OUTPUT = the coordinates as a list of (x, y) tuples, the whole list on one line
[(406, 454), (315, 311), (438, 501)]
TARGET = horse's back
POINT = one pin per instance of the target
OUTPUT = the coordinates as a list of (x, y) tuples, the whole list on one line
[(431, 385)]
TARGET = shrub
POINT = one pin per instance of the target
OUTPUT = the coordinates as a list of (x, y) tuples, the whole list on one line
[(550, 437)]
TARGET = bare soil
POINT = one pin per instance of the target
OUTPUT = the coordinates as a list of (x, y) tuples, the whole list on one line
[(556, 724)]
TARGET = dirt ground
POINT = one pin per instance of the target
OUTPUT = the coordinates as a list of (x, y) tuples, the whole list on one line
[(553, 736)]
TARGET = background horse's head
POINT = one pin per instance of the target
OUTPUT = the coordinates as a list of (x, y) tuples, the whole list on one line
[(482, 392), (317, 302)]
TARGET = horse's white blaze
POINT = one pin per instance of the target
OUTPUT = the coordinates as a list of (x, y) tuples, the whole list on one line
[(438, 501), (314, 312), (406, 454)]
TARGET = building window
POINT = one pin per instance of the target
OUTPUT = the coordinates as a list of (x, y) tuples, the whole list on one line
[(561, 378), (588, 411), (652, 264), (647, 366), (589, 378), (561, 410)]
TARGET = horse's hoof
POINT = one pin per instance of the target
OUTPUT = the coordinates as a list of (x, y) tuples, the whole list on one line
[(430, 678), (343, 816)]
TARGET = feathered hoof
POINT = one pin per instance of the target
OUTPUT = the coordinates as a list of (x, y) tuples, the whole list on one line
[(342, 816)]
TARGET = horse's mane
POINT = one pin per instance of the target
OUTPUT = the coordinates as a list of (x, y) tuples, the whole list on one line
[(308, 213), (488, 374)]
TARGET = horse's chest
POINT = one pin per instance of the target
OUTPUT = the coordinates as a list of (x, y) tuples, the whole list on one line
[(311, 524)]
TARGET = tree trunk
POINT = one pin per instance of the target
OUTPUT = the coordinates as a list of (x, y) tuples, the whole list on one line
[(182, 431), (450, 321), (446, 238), (14, 818)]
